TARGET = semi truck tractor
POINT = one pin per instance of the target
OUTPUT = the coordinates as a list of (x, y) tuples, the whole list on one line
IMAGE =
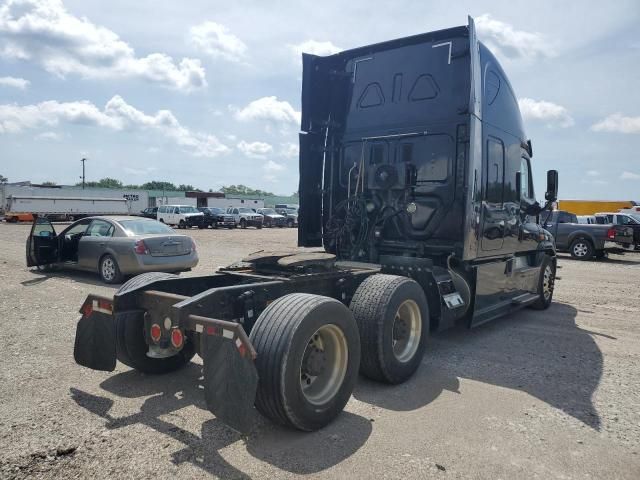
[(417, 199)]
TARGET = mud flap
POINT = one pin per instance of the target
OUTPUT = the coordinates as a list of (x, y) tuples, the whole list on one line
[(95, 344), (230, 381)]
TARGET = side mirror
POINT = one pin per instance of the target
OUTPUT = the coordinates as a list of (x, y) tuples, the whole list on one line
[(552, 186)]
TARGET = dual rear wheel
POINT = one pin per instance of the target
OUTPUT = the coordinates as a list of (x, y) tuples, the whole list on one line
[(310, 348)]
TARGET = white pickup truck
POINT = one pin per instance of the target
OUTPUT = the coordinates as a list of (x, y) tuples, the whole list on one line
[(245, 217)]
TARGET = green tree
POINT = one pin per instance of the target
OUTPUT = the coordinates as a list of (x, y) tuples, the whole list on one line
[(158, 185), (3, 179), (188, 188), (48, 183), (103, 183), (244, 190)]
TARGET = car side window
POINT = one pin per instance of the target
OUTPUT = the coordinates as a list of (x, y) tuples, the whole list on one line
[(235, 211), (622, 220), (100, 228), (80, 227)]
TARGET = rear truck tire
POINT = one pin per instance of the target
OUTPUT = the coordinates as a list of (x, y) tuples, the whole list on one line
[(581, 249), (290, 223), (243, 223), (259, 226), (109, 270), (131, 348), (546, 284), (600, 254), (162, 220), (308, 358), (393, 319), (182, 224)]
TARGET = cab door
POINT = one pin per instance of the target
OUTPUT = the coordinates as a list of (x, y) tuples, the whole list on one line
[(42, 244)]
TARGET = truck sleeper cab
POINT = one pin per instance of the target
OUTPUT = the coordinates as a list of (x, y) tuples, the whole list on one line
[(416, 186)]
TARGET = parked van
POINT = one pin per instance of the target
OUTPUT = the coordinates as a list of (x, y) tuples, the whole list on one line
[(184, 216)]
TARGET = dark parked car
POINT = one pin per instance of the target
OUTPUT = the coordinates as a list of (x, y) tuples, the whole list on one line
[(113, 247), (217, 217), (272, 218), (290, 214), (151, 212)]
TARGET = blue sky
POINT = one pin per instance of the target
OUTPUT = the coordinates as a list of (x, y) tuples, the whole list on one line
[(207, 92)]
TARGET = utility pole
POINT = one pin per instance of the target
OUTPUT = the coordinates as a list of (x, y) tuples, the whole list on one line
[(82, 177)]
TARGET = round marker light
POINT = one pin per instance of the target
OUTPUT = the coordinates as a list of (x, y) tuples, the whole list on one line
[(177, 338), (156, 332)]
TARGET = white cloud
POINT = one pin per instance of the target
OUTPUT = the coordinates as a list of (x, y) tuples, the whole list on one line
[(268, 108), (214, 39), (52, 136), (116, 115), (618, 123), (290, 150), (272, 166), (630, 176), (511, 43), (550, 113), (14, 82), (272, 169), (314, 47), (255, 149), (44, 32), (593, 173)]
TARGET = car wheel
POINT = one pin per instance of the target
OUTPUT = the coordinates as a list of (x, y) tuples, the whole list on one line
[(162, 220), (182, 224), (290, 223), (109, 270), (581, 249), (243, 223), (308, 355), (546, 284), (259, 226)]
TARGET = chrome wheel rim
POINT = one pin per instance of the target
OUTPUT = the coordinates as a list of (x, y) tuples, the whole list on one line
[(580, 249), (108, 269), (547, 282), (407, 331), (324, 364)]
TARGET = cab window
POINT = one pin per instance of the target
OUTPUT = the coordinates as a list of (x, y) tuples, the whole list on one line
[(526, 186), (565, 217)]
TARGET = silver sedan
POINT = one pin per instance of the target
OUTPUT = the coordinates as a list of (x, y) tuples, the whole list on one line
[(112, 246)]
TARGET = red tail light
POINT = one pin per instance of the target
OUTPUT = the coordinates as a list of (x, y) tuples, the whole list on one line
[(177, 338), (611, 234), (156, 332), (141, 247)]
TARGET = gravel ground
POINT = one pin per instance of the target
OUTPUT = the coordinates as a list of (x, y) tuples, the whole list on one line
[(553, 394)]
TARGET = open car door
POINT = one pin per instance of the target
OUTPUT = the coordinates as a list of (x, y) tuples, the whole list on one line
[(42, 244)]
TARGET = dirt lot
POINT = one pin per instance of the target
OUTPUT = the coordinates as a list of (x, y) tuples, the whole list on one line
[(553, 394)]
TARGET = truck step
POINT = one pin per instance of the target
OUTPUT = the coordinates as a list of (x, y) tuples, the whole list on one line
[(524, 299)]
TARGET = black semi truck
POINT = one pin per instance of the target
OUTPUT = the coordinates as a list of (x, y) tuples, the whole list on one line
[(416, 187)]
